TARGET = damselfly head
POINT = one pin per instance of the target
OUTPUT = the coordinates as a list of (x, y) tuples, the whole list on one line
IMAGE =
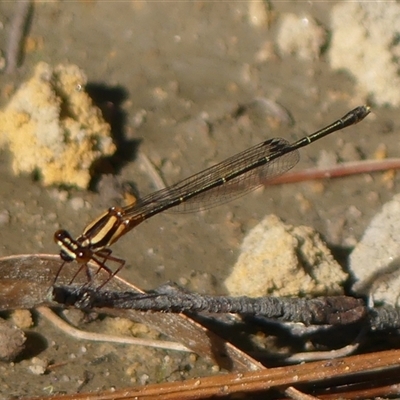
[(67, 244), (62, 236)]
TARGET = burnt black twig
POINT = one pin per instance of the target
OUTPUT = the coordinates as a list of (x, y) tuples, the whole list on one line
[(331, 310), (384, 318)]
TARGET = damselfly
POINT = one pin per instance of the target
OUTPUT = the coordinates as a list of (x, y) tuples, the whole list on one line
[(220, 183)]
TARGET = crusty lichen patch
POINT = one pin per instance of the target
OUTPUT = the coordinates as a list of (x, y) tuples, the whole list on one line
[(52, 127)]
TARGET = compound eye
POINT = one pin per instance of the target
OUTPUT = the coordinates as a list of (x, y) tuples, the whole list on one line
[(61, 235)]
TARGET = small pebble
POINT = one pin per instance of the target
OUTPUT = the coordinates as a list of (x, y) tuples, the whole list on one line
[(38, 366), (77, 203), (22, 319), (4, 217)]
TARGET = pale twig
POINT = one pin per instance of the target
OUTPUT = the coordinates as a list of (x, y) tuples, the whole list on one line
[(158, 182), (323, 355), (100, 337), (16, 35), (297, 395), (330, 354), (340, 170)]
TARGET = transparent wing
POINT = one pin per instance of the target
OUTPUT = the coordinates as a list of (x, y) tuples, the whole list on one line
[(222, 182)]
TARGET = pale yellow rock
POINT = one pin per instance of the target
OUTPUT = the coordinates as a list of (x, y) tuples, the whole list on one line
[(282, 260), (53, 129)]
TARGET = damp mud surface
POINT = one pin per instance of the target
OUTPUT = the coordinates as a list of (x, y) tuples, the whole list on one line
[(184, 85)]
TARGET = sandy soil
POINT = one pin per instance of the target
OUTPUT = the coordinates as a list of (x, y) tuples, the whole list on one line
[(176, 74)]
